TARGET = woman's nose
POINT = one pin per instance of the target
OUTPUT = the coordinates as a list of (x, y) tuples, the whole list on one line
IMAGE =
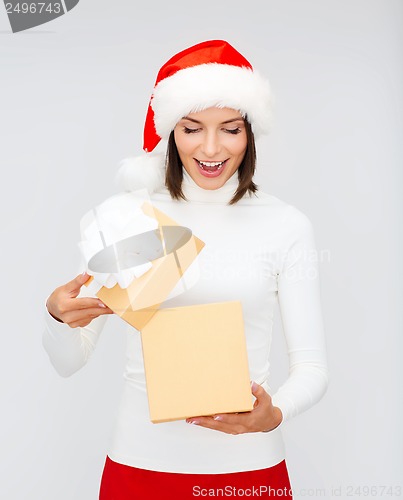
[(211, 144)]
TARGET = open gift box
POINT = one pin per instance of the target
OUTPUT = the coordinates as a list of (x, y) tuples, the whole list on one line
[(195, 357)]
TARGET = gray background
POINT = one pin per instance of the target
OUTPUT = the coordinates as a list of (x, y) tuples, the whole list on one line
[(73, 99)]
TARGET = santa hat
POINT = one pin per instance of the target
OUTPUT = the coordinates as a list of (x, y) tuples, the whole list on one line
[(211, 73), (208, 74)]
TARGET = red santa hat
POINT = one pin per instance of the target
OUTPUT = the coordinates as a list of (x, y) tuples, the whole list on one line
[(211, 73), (208, 74)]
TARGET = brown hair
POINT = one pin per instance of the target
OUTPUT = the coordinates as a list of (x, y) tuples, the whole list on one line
[(174, 169)]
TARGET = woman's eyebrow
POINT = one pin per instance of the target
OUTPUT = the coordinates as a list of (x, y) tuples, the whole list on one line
[(190, 119), (238, 118)]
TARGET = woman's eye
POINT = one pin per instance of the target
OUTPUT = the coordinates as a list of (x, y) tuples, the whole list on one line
[(233, 130), (190, 130)]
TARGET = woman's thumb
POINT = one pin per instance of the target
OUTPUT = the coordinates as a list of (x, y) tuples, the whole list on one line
[(75, 285)]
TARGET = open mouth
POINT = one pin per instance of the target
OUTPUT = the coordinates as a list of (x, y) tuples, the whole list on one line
[(211, 166)]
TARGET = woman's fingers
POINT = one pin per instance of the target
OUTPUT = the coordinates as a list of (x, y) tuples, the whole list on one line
[(230, 423), (263, 417), (64, 305), (88, 303), (73, 287), (81, 318), (259, 392)]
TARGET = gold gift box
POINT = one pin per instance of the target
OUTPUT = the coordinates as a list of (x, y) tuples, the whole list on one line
[(195, 357)]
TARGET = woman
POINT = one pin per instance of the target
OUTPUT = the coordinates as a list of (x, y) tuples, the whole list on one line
[(210, 104)]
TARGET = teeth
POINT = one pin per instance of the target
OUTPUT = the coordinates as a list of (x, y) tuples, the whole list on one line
[(211, 163)]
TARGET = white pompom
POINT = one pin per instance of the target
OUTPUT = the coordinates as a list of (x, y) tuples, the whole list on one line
[(141, 172)]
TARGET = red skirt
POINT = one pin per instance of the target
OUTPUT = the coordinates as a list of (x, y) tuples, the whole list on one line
[(122, 482)]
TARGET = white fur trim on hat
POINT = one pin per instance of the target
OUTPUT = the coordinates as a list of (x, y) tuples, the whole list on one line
[(206, 85), (141, 172)]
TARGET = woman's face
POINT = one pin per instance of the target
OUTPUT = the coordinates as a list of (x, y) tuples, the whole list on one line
[(211, 145)]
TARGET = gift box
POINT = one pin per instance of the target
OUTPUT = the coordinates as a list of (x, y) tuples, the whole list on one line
[(195, 357), (137, 303), (195, 361)]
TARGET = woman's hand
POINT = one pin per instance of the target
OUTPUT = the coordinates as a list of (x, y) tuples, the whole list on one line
[(264, 416), (64, 305)]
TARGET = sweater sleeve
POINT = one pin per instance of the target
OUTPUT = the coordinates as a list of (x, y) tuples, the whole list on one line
[(68, 348), (301, 315)]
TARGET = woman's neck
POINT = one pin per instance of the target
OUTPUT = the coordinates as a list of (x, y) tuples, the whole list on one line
[(224, 194)]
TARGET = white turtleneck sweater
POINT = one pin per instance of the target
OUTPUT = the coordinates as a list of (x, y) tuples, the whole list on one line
[(259, 251)]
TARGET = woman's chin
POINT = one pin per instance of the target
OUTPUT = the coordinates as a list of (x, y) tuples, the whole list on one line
[(209, 184)]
